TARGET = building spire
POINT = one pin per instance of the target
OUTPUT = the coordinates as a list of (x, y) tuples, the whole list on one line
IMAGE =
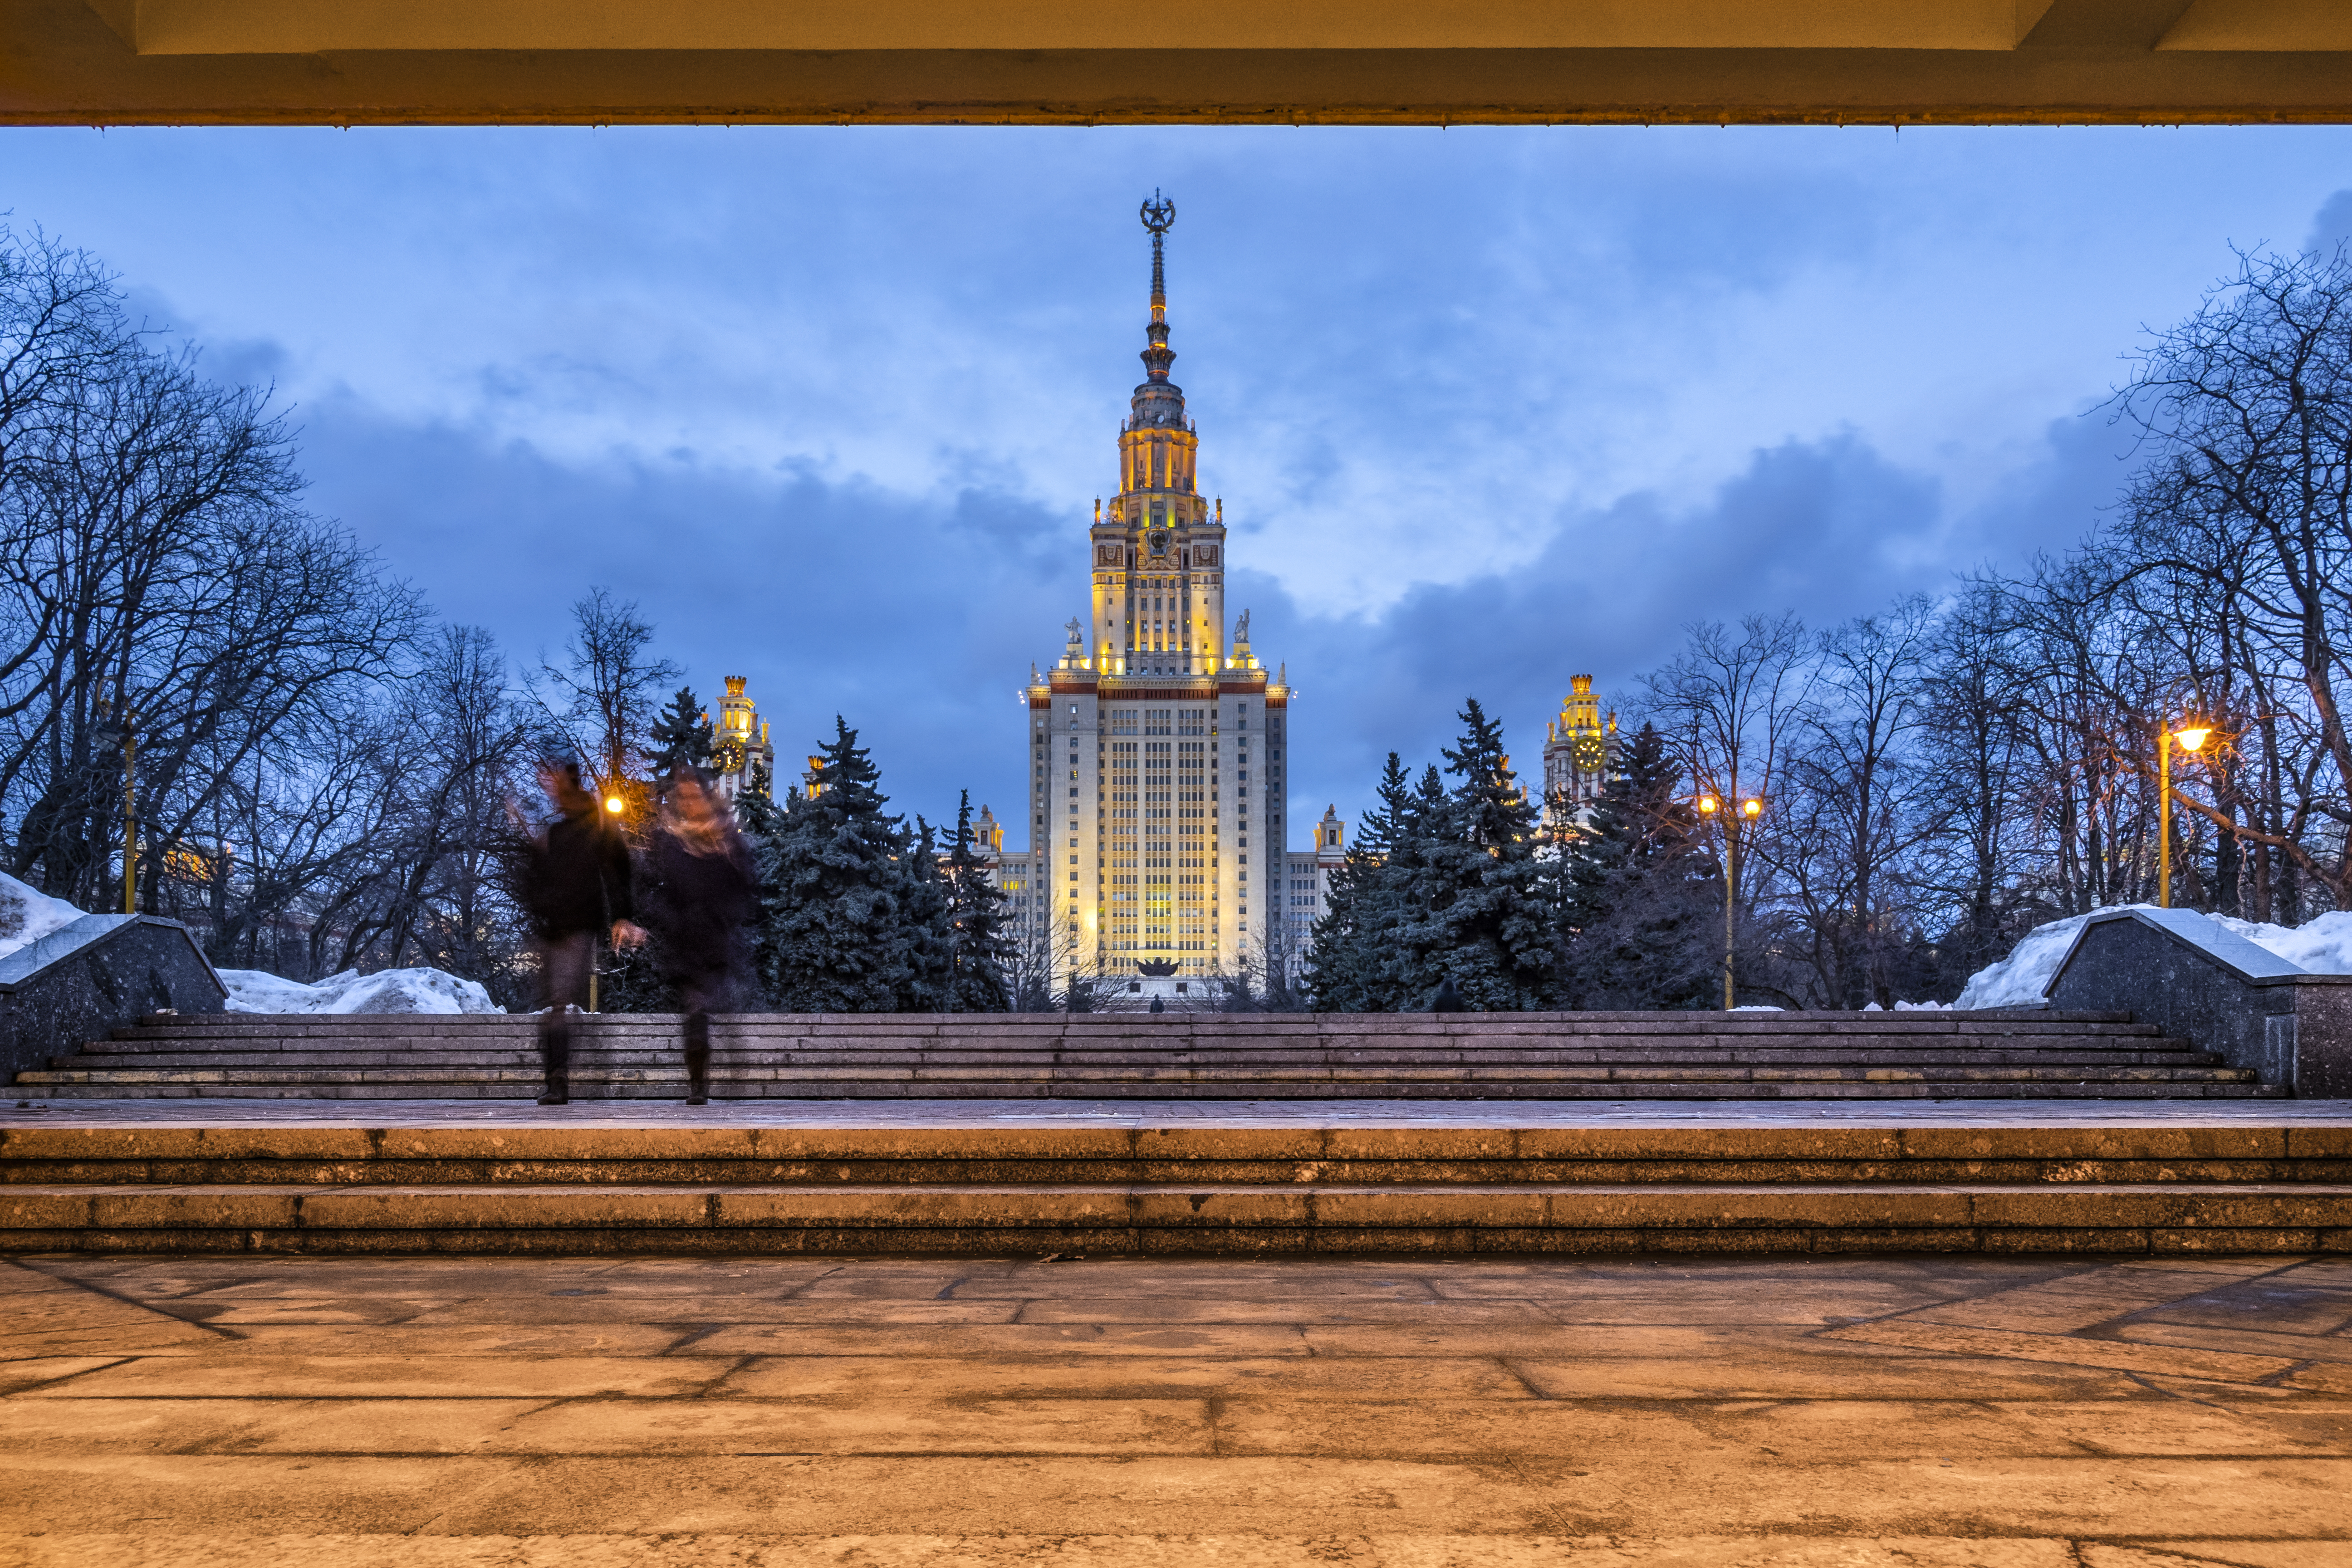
[(1158, 215)]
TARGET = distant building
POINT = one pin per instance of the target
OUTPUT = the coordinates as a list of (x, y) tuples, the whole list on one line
[(1156, 742), (740, 757), (1580, 754), (1307, 885)]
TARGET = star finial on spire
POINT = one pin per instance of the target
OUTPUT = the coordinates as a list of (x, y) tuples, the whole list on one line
[(1158, 215)]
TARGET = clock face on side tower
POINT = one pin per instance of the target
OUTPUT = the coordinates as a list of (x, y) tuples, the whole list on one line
[(1590, 752)]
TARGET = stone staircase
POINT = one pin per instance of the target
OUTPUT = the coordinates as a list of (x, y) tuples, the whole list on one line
[(509, 1186), (2023, 1055)]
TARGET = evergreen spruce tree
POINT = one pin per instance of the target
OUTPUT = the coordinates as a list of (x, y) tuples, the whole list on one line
[(980, 953), (682, 736), (1485, 923), (1403, 946), (925, 916), (763, 821), (1639, 913), (1344, 963), (834, 931)]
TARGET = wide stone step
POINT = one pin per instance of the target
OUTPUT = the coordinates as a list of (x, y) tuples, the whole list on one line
[(740, 1063), (1165, 1074), (120, 1054), (680, 1147), (509, 1220), (871, 1089)]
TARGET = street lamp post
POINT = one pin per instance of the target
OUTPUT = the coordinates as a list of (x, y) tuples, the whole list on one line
[(1712, 809), (615, 806), (2191, 738)]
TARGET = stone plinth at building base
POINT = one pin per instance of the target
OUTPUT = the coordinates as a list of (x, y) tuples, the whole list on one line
[(399, 1185)]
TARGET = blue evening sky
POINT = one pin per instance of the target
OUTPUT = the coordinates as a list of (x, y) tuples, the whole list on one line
[(1487, 407)]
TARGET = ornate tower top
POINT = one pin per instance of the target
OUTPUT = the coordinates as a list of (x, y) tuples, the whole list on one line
[(1158, 215), (1158, 401)]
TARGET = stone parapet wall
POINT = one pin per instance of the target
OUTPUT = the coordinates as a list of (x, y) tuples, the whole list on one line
[(2190, 978), (102, 972)]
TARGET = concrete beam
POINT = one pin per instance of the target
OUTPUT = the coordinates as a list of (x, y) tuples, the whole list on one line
[(1062, 61)]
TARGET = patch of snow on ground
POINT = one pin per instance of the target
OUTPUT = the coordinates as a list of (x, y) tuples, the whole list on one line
[(385, 990), (26, 914), (1925, 1006), (2323, 946)]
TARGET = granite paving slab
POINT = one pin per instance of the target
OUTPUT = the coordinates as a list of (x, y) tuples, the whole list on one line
[(1848, 1421)]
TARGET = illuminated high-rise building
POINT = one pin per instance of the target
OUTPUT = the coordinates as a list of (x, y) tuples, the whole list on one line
[(1157, 743)]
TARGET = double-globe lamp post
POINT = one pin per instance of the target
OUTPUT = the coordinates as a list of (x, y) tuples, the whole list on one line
[(2192, 739), (1712, 808)]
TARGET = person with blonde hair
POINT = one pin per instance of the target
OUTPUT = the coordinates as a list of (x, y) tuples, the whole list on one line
[(700, 895)]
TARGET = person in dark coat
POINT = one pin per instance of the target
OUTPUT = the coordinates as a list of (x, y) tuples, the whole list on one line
[(576, 889), (702, 894)]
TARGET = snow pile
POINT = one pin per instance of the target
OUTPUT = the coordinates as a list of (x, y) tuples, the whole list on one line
[(28, 915), (2323, 947), (1925, 1006), (385, 990)]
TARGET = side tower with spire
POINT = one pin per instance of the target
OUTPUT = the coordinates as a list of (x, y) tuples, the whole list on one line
[(1156, 742), (743, 758), (1580, 753)]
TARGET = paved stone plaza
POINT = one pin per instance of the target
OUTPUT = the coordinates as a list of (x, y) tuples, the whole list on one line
[(2067, 1413)]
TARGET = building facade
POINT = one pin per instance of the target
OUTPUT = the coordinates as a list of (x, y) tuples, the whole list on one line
[(1157, 744), (1580, 753)]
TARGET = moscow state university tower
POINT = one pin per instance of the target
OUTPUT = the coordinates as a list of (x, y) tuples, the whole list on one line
[(1156, 743)]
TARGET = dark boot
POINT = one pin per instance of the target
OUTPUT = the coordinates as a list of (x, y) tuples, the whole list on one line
[(697, 1058), (555, 1057)]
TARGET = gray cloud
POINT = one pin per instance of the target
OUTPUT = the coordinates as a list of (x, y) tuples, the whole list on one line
[(2333, 225)]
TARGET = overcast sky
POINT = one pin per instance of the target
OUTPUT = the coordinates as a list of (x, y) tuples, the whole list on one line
[(1487, 407)]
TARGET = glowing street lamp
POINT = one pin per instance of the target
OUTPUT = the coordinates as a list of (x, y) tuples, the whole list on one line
[(615, 805), (2192, 738), (1711, 807)]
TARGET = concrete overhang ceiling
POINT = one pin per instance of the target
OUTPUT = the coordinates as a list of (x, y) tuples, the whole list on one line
[(1344, 61)]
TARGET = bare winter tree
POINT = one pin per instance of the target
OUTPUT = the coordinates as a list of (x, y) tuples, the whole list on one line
[(1977, 854), (600, 696), (1854, 811), (2245, 509), (160, 586), (1731, 709)]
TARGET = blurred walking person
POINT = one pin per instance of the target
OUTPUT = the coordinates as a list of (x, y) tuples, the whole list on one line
[(702, 896), (576, 888)]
